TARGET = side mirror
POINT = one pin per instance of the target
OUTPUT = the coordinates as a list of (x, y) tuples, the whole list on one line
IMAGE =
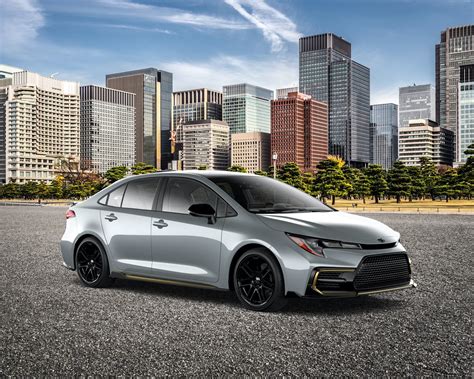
[(203, 210)]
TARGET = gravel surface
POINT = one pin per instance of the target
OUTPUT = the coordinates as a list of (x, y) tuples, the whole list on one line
[(51, 325)]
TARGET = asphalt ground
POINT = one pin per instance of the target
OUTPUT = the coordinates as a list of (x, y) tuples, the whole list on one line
[(51, 325)]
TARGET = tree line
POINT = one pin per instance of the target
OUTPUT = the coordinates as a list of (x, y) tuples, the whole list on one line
[(332, 179)]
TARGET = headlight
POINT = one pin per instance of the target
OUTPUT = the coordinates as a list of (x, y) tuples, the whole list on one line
[(316, 246)]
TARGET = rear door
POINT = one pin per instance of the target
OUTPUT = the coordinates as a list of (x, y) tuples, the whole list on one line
[(186, 247), (126, 223)]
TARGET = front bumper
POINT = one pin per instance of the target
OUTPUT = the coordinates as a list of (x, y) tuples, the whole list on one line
[(374, 274)]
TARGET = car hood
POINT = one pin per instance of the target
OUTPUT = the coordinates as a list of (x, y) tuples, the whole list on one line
[(338, 226)]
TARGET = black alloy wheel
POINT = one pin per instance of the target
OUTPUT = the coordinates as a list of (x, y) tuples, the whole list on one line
[(258, 281), (91, 264)]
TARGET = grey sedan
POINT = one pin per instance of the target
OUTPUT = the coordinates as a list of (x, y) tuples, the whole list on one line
[(250, 234)]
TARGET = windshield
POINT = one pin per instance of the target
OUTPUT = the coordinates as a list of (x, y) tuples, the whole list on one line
[(259, 194)]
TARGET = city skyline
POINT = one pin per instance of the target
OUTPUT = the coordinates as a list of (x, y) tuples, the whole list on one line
[(398, 48)]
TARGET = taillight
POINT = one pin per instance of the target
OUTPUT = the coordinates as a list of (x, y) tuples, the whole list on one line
[(70, 214)]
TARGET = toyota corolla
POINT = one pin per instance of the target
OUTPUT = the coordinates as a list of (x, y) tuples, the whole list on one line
[(256, 236)]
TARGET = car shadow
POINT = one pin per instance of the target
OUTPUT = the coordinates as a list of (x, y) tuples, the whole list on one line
[(296, 305)]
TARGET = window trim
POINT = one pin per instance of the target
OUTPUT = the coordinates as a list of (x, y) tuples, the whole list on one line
[(165, 186)]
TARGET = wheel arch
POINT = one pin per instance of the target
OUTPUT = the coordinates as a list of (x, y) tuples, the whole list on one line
[(243, 249), (81, 238)]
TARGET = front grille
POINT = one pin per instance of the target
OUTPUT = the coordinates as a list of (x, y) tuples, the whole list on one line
[(328, 275), (378, 246), (382, 271)]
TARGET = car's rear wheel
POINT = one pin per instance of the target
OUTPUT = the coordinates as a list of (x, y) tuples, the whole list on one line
[(92, 265), (258, 281)]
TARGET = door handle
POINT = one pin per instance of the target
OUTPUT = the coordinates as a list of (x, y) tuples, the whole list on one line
[(160, 224), (111, 217)]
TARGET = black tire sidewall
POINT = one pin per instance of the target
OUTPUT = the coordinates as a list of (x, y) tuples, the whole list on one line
[(277, 300), (104, 278)]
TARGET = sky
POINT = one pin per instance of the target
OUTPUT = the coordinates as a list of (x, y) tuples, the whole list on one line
[(211, 43)]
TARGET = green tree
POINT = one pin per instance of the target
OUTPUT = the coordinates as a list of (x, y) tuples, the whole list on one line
[(42, 190), (448, 184), (417, 184), (351, 174), (29, 190), (378, 183), (399, 181), (10, 191), (466, 173), (237, 168), (429, 175), (291, 174), (261, 173), (308, 181), (56, 188), (142, 168), (361, 185), (330, 180), (202, 167), (116, 173)]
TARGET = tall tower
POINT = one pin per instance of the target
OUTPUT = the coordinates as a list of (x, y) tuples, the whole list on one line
[(456, 48), (153, 91), (328, 74)]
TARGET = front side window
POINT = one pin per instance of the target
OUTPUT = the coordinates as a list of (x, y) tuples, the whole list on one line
[(258, 194), (140, 194), (182, 193)]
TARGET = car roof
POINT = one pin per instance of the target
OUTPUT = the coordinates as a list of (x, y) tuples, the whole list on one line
[(204, 173)]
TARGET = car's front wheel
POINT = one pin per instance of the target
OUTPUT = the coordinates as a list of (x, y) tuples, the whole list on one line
[(92, 265), (258, 281)]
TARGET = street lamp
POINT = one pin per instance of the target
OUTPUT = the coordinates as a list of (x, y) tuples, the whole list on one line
[(275, 157)]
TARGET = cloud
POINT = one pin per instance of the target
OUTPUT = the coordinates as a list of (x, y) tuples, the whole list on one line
[(136, 28), (275, 26), (20, 21), (224, 70), (171, 15)]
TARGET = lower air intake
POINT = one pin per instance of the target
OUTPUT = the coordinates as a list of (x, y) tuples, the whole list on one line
[(382, 271)]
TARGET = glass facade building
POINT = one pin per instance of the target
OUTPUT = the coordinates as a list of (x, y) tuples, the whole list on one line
[(246, 108), (383, 134), (328, 74), (456, 48), (466, 111), (153, 91), (416, 102)]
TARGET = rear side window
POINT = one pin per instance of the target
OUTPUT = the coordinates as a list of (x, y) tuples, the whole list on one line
[(140, 194), (115, 197)]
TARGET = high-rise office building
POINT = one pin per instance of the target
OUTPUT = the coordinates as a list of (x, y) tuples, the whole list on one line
[(328, 74), (246, 108), (466, 111), (416, 102), (206, 144), (383, 134), (299, 131), (153, 117), (39, 127), (193, 105), (107, 128), (251, 151), (282, 93), (425, 138), (456, 48)]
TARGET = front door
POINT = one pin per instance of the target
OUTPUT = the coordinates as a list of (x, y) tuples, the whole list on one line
[(186, 247)]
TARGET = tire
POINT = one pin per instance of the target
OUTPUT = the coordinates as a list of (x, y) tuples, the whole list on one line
[(92, 265), (258, 281)]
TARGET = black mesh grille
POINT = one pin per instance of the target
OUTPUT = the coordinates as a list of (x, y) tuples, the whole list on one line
[(382, 271)]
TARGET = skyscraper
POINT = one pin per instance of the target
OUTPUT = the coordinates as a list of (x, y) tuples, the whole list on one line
[(107, 128), (299, 131), (466, 111), (416, 102), (206, 143), (153, 89), (282, 93), (425, 138), (456, 48), (39, 127), (192, 105), (383, 134), (328, 74), (246, 108)]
